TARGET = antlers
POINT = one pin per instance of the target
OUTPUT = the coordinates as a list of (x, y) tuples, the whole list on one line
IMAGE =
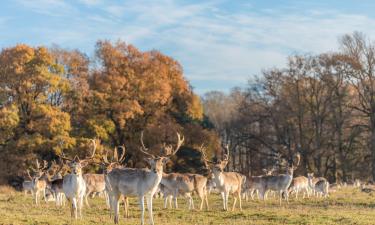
[(202, 149), (298, 156), (226, 153), (169, 151), (144, 149), (28, 175), (76, 158), (115, 158)]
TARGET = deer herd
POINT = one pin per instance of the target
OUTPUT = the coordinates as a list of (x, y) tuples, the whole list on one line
[(118, 182)]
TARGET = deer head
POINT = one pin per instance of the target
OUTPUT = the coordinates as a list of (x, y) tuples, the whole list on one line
[(76, 164), (157, 162), (40, 169), (220, 165), (268, 172)]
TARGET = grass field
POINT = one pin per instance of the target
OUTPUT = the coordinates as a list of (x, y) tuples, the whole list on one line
[(346, 206)]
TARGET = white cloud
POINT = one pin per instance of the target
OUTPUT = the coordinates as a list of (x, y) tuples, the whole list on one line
[(48, 7), (212, 43)]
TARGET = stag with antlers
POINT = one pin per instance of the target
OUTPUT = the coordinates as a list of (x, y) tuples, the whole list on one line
[(139, 182), (108, 166), (57, 183), (279, 183), (74, 186), (226, 182), (39, 180), (95, 183)]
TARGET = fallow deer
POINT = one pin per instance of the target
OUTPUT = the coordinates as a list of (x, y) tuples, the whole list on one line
[(227, 182), (319, 185), (298, 184), (107, 166), (185, 184), (39, 181), (139, 182), (74, 186), (57, 184), (279, 183), (27, 185)]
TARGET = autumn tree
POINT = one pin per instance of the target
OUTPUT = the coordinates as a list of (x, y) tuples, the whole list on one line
[(30, 122)]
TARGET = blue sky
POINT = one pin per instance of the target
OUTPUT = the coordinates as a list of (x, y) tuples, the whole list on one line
[(220, 44)]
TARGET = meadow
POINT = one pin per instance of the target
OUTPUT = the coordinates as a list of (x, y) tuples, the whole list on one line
[(345, 206)]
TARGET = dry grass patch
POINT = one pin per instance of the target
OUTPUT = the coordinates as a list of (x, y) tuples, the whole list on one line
[(346, 206)]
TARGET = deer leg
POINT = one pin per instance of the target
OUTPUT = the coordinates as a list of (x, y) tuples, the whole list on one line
[(44, 195), (106, 199), (149, 208), (115, 206), (223, 197), (166, 198), (226, 200), (201, 196), (240, 201), (37, 197), (234, 202), (175, 199), (126, 206), (142, 207), (86, 198), (206, 200), (170, 199), (74, 207), (80, 203), (192, 201)]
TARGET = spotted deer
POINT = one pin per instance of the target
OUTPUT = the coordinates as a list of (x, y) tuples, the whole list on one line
[(299, 184), (140, 183)]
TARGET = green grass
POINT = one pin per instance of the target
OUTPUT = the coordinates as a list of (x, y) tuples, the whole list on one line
[(346, 206)]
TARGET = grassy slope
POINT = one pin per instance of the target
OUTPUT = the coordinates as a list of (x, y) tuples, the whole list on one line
[(347, 206)]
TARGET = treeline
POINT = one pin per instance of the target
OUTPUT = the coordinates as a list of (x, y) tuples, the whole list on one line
[(322, 106), (54, 100)]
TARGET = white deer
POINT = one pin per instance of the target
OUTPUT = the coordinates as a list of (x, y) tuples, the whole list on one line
[(279, 183), (107, 166), (139, 182), (74, 186)]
